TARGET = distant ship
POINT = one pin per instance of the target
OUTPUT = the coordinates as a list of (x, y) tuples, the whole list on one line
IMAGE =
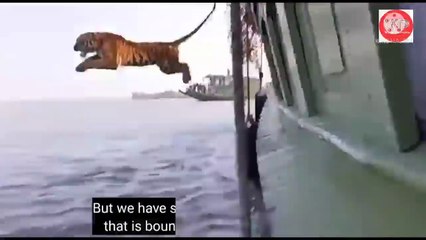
[(218, 88)]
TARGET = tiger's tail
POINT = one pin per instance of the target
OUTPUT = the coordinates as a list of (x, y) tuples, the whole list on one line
[(186, 37)]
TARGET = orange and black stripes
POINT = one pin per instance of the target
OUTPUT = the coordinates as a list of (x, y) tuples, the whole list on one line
[(113, 50)]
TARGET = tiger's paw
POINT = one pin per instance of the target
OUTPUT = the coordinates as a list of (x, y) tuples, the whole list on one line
[(186, 78), (80, 68)]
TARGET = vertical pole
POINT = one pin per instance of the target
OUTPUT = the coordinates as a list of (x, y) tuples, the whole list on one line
[(247, 9), (239, 118)]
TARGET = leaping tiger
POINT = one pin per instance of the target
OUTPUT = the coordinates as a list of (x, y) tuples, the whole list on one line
[(113, 50)]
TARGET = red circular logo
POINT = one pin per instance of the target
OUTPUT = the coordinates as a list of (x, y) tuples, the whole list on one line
[(396, 26)]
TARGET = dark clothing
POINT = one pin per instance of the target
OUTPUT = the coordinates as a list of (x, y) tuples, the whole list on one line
[(253, 171), (253, 168), (253, 175), (259, 101)]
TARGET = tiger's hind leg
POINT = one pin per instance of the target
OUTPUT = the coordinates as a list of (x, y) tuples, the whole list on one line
[(176, 67)]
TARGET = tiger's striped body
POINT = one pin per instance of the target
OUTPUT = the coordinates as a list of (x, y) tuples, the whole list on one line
[(142, 54), (113, 50)]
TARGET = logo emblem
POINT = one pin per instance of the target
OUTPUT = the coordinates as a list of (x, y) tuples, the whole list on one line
[(396, 26)]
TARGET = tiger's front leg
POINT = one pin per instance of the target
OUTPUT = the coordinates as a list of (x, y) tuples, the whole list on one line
[(95, 62)]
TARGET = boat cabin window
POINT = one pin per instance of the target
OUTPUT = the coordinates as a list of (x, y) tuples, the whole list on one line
[(326, 37)]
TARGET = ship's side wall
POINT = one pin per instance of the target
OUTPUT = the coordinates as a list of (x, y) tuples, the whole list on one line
[(347, 90), (335, 72), (343, 83), (312, 188)]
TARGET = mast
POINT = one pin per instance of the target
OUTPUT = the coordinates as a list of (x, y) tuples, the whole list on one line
[(239, 118)]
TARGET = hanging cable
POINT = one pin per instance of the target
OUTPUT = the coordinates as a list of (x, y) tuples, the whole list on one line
[(247, 57), (248, 51), (261, 66)]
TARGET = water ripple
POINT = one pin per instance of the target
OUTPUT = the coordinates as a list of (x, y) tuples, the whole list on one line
[(46, 190)]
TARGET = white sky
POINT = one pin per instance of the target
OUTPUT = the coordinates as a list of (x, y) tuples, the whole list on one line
[(38, 60)]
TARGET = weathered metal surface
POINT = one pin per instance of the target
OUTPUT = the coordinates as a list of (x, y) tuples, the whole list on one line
[(312, 188), (328, 173), (352, 103)]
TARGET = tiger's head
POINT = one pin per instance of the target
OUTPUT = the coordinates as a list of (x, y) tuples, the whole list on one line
[(86, 43)]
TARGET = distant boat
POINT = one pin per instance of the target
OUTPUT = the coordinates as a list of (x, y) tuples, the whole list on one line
[(218, 88), (206, 97)]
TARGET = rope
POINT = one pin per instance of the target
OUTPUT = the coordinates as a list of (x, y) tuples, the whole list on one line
[(261, 66), (247, 61)]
